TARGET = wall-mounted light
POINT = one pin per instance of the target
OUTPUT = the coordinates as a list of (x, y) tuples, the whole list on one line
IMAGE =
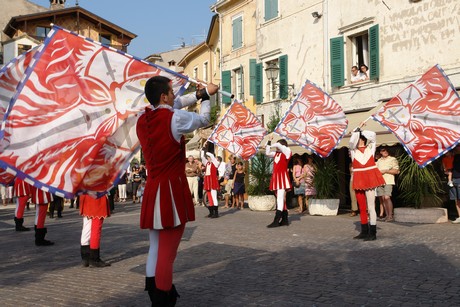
[(316, 15)]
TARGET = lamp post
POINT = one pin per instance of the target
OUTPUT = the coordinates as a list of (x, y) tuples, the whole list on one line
[(272, 72)]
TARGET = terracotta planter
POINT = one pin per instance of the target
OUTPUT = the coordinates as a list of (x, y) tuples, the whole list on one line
[(262, 202), (323, 206)]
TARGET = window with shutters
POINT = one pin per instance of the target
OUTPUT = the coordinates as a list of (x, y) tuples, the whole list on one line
[(271, 9), (205, 71), (226, 85), (237, 31), (238, 89), (354, 49)]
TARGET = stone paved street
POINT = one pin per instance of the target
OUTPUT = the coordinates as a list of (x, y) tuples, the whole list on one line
[(236, 261)]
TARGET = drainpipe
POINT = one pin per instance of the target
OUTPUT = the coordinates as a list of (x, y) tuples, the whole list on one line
[(220, 46), (326, 84)]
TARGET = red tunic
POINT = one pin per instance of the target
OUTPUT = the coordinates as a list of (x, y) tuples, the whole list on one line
[(40, 197), (21, 188), (167, 200), (210, 177), (94, 208), (366, 175), (280, 177)]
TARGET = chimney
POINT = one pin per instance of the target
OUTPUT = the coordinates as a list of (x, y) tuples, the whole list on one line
[(57, 4)]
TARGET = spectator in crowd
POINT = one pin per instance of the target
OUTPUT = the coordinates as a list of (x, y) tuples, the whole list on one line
[(122, 188), (447, 164), (136, 178), (192, 171), (238, 185), (161, 132), (364, 70), (298, 182), (309, 170), (454, 192), (230, 169), (356, 75), (389, 167), (56, 204), (280, 179)]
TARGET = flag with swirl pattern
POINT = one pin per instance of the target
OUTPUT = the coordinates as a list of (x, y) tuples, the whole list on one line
[(425, 116), (239, 131), (70, 127), (10, 76), (314, 121)]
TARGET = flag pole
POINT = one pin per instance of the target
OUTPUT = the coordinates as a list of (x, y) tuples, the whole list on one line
[(230, 95)]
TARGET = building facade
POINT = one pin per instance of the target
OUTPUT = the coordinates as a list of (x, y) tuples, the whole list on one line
[(23, 32)]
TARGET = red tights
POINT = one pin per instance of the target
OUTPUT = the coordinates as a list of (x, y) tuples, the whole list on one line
[(20, 206), (362, 204)]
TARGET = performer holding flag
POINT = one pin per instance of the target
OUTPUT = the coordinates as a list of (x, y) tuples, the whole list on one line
[(280, 179), (167, 204), (366, 177)]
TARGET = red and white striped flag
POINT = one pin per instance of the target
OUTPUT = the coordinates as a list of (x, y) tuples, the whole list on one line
[(425, 116), (239, 131), (71, 126), (314, 120)]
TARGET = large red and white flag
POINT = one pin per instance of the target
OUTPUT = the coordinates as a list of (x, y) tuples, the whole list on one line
[(425, 116), (314, 121), (239, 131), (10, 76), (71, 124)]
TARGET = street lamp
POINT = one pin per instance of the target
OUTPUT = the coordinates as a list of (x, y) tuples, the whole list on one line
[(272, 71)]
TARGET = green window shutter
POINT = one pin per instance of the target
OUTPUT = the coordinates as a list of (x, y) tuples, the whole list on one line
[(237, 27), (271, 9), (226, 85), (259, 83), (337, 62), (252, 77), (374, 66), (284, 91)]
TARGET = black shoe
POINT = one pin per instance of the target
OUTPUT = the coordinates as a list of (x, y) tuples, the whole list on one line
[(276, 220), (284, 218), (19, 226), (40, 237), (95, 261), (84, 252), (372, 233), (364, 232)]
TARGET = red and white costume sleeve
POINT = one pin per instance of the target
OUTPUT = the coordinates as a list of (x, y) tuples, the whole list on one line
[(280, 177), (366, 175), (40, 197), (21, 188)]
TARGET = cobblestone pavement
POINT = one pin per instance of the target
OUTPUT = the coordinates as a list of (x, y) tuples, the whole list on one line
[(236, 261)]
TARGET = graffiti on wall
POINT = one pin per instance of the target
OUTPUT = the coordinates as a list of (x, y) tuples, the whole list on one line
[(428, 23)]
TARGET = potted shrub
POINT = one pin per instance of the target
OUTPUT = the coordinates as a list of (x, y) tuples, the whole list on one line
[(326, 182), (419, 187), (259, 196)]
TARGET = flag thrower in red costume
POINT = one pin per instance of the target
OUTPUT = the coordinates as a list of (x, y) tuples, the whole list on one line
[(167, 204), (366, 177), (94, 211), (280, 181)]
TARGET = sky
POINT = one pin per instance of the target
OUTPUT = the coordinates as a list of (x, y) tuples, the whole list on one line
[(159, 25)]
